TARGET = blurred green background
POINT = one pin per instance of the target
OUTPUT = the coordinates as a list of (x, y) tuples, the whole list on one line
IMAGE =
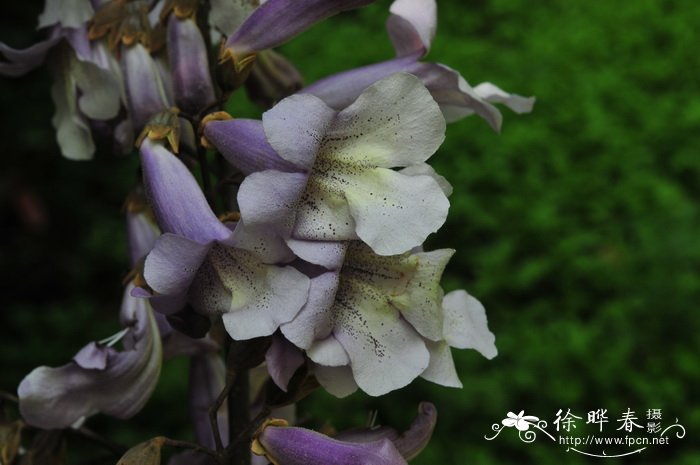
[(577, 227)]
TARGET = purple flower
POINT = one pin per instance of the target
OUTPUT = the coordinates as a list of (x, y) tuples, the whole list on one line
[(276, 21), (411, 27), (322, 175), (100, 378), (201, 262), (192, 83), (285, 445)]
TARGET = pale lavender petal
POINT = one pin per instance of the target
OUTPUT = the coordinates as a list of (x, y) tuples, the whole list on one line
[(277, 21), (175, 197), (253, 298), (492, 93), (412, 25), (466, 326), (58, 397), (296, 126), (207, 380), (414, 440), (394, 212), (93, 356), (410, 443), (142, 235), (338, 381), (192, 83), (283, 359), (395, 122), (314, 321), (329, 255), (386, 352), (299, 446), (67, 13), (267, 244), (243, 143), (270, 198), (72, 129), (173, 263), (441, 369), (328, 352), (425, 169), (145, 90), (340, 90), (20, 62)]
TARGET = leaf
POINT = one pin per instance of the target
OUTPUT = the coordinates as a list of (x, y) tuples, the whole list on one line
[(10, 437), (146, 453)]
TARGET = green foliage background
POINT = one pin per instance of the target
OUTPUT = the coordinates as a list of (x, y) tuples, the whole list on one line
[(577, 227)]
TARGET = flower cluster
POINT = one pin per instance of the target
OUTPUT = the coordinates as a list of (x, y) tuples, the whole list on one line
[(316, 260)]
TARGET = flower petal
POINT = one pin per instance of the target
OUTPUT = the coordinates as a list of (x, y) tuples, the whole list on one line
[(173, 263), (295, 128), (67, 13), (21, 62), (426, 169), (145, 89), (341, 89), (493, 93), (412, 25), (277, 21), (394, 212), (329, 255), (283, 359), (192, 84), (142, 235), (254, 298), (243, 143), (177, 201), (268, 198), (394, 123), (314, 320), (299, 446), (441, 369), (386, 353), (465, 324), (338, 381), (328, 352)]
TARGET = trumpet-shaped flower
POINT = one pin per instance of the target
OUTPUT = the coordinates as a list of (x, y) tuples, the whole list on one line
[(379, 322), (322, 175), (201, 262), (100, 378), (411, 27), (285, 445)]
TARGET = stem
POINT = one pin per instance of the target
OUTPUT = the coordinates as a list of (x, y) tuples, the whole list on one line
[(214, 409), (239, 419)]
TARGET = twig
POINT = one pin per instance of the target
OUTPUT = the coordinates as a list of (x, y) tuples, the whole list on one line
[(192, 446), (214, 410)]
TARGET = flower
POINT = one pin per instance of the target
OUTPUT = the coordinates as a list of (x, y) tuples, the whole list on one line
[(411, 27), (322, 175), (379, 322), (520, 421), (86, 77), (200, 261), (285, 445), (99, 378), (276, 21)]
